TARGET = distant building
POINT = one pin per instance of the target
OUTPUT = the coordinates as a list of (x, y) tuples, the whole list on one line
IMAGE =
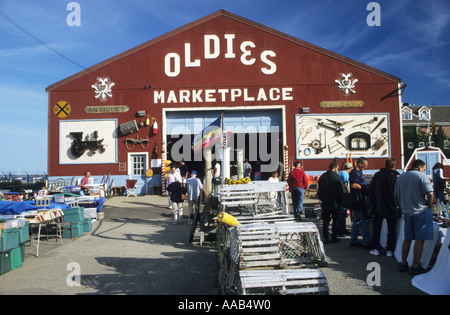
[(416, 122)]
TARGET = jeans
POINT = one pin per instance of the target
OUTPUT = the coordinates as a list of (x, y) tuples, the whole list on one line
[(297, 200), (360, 221), (342, 217)]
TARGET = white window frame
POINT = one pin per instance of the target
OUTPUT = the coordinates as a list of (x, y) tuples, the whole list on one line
[(131, 166), (406, 113), (425, 111)]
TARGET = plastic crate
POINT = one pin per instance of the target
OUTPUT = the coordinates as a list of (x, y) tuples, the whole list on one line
[(313, 212), (16, 258), (77, 230), (5, 262), (24, 233), (9, 239), (59, 198), (90, 212), (22, 251), (87, 225), (74, 215)]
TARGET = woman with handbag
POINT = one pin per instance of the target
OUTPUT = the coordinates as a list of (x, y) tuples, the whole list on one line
[(178, 195)]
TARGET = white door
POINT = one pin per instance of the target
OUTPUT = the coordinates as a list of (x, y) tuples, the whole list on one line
[(137, 166)]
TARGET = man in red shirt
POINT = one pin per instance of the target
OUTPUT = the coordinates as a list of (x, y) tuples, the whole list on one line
[(84, 182), (298, 182)]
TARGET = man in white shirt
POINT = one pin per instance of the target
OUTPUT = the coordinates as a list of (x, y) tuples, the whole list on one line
[(194, 187), (415, 196)]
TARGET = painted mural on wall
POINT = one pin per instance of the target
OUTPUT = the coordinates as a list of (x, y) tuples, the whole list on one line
[(330, 136)]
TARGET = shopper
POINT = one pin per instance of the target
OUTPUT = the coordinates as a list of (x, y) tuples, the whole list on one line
[(439, 186), (415, 196), (247, 169), (273, 179), (177, 191), (342, 217), (194, 188), (297, 182), (84, 185), (385, 206), (281, 172), (170, 179), (258, 174), (330, 192), (183, 171), (361, 218)]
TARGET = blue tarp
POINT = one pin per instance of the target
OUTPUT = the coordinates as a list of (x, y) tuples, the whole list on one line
[(17, 207)]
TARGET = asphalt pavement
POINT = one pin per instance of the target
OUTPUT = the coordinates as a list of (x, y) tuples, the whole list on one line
[(135, 249)]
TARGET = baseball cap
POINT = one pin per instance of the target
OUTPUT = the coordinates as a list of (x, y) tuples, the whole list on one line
[(347, 166), (194, 172)]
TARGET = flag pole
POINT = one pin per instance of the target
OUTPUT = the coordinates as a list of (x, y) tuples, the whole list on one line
[(222, 181)]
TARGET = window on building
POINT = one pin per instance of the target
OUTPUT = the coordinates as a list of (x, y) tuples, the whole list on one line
[(424, 113), (406, 114), (138, 165)]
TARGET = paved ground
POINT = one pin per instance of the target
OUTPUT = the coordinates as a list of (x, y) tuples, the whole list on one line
[(136, 250)]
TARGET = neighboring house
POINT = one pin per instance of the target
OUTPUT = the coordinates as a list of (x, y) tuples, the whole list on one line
[(417, 120)]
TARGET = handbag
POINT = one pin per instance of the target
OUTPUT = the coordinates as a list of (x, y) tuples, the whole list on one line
[(183, 194)]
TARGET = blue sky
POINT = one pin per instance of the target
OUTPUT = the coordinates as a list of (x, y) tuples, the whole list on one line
[(413, 43)]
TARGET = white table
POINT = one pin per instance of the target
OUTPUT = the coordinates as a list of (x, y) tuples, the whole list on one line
[(437, 281), (428, 246)]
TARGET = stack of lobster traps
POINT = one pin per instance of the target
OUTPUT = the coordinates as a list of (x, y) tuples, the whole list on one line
[(267, 252)]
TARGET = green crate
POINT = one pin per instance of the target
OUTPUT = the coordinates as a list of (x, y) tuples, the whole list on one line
[(5, 262), (87, 225), (77, 229), (74, 215), (24, 233), (22, 251), (16, 258), (9, 239)]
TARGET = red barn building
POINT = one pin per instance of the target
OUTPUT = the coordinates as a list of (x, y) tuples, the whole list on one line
[(275, 93)]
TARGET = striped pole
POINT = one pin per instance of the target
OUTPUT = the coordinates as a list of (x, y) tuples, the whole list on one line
[(286, 164), (163, 173)]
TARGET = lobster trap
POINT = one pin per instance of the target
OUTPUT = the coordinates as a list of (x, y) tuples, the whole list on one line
[(281, 245), (282, 282), (255, 198), (267, 252), (271, 257)]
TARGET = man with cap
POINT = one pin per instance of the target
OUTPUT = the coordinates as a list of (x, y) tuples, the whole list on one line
[(344, 174), (194, 187)]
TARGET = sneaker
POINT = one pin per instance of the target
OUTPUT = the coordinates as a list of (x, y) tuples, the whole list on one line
[(417, 271), (389, 253), (403, 267), (375, 252)]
